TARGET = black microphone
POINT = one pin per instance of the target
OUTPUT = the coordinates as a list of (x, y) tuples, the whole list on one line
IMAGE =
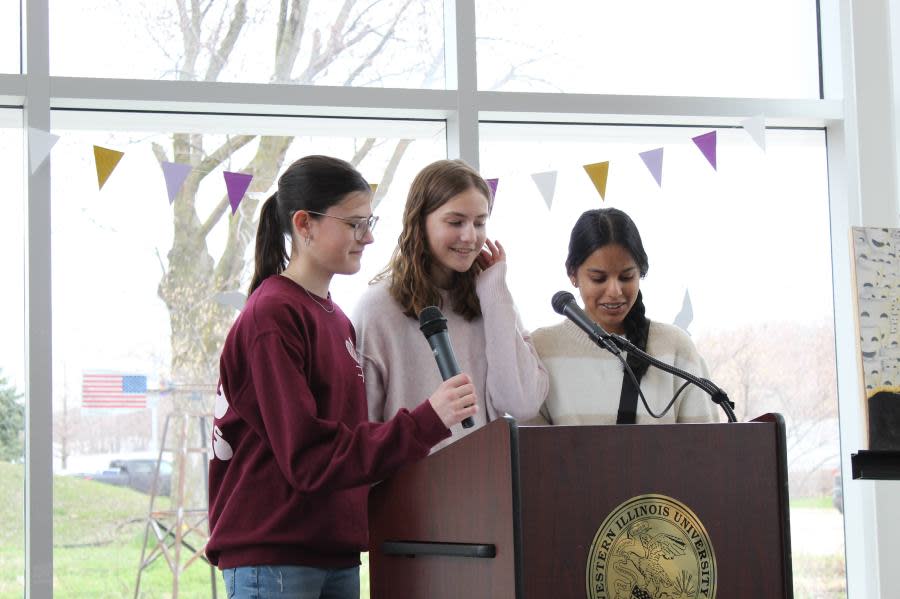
[(434, 326), (564, 304)]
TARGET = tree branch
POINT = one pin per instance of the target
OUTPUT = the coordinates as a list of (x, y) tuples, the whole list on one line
[(387, 36), (385, 184), (219, 57), (159, 152), (291, 26), (362, 151), (222, 154), (190, 41)]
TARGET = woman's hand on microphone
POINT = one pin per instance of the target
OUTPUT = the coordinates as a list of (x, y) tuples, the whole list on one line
[(454, 400)]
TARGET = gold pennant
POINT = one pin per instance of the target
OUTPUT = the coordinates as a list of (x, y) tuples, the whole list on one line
[(598, 172), (106, 161)]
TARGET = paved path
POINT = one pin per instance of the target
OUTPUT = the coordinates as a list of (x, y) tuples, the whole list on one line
[(817, 531)]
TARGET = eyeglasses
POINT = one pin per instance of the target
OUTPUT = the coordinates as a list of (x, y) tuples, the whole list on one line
[(360, 225)]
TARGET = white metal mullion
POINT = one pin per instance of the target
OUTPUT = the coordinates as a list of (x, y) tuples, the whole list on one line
[(38, 365), (461, 106), (249, 98), (526, 107), (12, 90), (844, 212), (863, 186), (461, 69)]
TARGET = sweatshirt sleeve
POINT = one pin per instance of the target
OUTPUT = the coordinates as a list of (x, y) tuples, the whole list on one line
[(517, 382), (314, 453)]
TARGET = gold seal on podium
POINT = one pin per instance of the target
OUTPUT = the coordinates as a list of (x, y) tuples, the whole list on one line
[(651, 547)]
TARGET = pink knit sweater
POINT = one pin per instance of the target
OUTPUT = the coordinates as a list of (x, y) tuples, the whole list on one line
[(494, 350)]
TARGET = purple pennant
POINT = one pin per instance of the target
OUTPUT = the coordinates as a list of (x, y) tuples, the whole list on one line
[(492, 183), (707, 145), (237, 184), (653, 160), (175, 174)]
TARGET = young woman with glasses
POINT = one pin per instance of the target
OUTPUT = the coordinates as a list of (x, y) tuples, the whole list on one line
[(444, 259), (293, 451)]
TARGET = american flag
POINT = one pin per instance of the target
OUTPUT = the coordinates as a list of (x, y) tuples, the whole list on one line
[(110, 390)]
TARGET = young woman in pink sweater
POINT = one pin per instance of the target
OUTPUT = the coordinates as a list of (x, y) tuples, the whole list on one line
[(445, 259), (293, 451)]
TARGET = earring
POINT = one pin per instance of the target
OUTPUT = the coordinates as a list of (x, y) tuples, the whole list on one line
[(307, 240)]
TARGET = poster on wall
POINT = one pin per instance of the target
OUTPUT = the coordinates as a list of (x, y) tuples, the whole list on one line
[(876, 276)]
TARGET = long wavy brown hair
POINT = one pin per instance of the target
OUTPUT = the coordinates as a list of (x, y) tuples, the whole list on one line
[(410, 267)]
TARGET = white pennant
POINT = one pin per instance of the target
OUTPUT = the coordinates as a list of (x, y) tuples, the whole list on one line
[(234, 299), (546, 183), (756, 127), (686, 315), (40, 143)]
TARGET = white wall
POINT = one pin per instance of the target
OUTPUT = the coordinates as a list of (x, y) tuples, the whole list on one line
[(866, 194)]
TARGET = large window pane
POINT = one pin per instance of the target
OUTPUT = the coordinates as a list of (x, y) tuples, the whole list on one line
[(747, 243), (137, 292), (653, 47), (12, 358), (9, 36), (385, 43)]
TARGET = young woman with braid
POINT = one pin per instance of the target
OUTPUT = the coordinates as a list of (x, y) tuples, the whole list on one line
[(606, 263), (293, 450)]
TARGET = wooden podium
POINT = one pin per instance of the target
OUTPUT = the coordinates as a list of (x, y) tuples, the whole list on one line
[(512, 512)]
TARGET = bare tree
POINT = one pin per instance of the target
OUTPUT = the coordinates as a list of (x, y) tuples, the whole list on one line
[(209, 32), (787, 368)]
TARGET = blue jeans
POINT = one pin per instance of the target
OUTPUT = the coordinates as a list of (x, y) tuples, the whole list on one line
[(291, 582)]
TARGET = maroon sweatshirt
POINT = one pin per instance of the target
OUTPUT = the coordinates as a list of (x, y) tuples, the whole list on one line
[(293, 451)]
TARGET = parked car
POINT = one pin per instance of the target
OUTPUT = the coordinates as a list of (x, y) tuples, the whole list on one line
[(137, 474)]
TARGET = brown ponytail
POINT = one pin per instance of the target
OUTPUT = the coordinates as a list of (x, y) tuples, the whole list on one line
[(271, 254)]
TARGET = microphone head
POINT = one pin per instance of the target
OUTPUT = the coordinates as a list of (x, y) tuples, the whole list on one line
[(431, 321), (560, 300)]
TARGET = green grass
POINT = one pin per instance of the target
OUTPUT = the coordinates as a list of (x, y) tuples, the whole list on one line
[(98, 533), (821, 502)]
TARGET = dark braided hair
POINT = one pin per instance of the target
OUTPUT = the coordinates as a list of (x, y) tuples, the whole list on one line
[(600, 227)]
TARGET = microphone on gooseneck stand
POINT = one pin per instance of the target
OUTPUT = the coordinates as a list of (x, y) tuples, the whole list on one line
[(564, 304), (434, 326)]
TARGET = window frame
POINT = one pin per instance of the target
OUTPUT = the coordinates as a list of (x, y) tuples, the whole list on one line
[(462, 106)]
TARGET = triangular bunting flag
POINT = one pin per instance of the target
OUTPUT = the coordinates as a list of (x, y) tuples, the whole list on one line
[(234, 299), (492, 184), (756, 127), (686, 315), (599, 173), (106, 161), (707, 145), (546, 183), (175, 174), (653, 159), (237, 184), (40, 143)]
